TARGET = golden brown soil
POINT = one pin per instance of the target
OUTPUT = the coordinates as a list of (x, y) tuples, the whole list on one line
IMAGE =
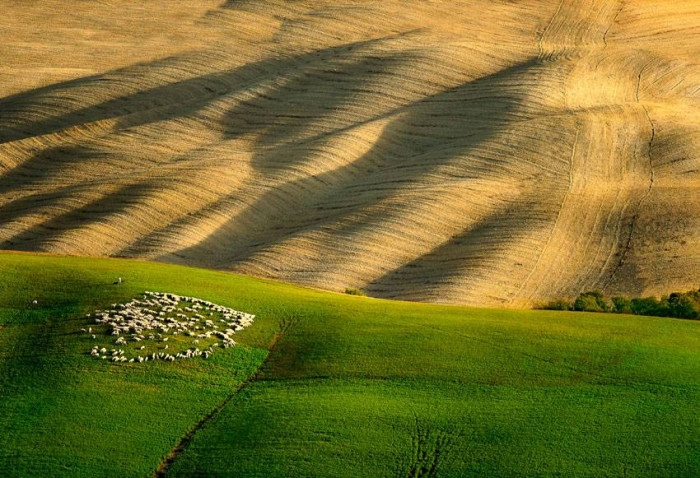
[(478, 152)]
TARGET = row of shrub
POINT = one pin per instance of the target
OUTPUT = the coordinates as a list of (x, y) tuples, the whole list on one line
[(683, 305), (355, 291)]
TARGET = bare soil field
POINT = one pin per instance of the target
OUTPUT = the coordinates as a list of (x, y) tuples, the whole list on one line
[(481, 152)]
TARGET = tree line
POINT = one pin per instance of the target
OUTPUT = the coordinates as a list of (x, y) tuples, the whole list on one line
[(683, 305)]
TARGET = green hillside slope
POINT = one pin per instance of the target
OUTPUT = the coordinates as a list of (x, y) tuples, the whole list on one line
[(351, 386)]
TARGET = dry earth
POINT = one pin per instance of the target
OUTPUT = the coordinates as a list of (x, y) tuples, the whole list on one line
[(478, 152)]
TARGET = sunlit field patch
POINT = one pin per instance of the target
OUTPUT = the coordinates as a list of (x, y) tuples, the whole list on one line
[(328, 384)]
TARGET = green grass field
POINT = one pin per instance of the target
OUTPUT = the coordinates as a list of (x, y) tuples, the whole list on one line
[(351, 387)]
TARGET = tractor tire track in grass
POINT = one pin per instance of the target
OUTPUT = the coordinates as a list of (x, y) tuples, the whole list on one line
[(285, 324), (429, 449)]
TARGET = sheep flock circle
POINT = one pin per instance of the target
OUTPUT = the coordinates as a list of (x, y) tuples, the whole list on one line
[(164, 326)]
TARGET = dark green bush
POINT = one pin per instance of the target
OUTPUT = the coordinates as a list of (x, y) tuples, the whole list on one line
[(591, 301), (649, 306), (354, 291), (621, 305), (556, 304), (683, 305)]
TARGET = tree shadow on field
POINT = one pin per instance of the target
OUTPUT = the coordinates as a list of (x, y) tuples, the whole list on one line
[(229, 4), (310, 106), (291, 114), (116, 202), (299, 107), (133, 99), (419, 138), (37, 358), (485, 244), (64, 105), (46, 165), (136, 102)]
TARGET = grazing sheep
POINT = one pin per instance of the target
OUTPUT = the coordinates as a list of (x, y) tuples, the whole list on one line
[(145, 319)]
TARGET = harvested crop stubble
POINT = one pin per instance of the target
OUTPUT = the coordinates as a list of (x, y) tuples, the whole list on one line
[(483, 152)]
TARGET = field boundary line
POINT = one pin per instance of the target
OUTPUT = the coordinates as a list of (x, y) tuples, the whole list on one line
[(187, 438)]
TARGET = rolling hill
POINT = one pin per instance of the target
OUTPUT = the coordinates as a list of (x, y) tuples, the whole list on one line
[(482, 152), (327, 385)]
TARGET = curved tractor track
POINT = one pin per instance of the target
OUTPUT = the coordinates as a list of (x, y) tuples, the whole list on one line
[(491, 153)]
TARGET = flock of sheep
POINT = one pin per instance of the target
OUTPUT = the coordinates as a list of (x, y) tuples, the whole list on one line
[(159, 317)]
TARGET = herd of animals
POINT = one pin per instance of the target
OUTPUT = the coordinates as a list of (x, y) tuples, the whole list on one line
[(143, 328)]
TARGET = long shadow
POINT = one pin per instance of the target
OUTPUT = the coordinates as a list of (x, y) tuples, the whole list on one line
[(168, 101), (486, 243), (177, 99), (57, 103), (228, 4), (119, 201), (163, 102), (420, 138), (289, 115), (38, 345), (16, 208), (45, 165), (310, 107)]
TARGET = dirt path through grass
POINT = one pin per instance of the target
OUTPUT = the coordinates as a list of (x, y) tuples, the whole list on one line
[(187, 438)]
